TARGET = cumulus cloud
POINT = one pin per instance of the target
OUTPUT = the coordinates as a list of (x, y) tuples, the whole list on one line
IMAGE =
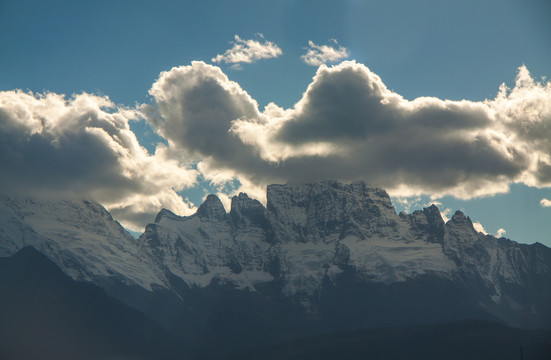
[(195, 109), (248, 51), (545, 202), (501, 232), (478, 227), (446, 215), (82, 147), (317, 55), (349, 126)]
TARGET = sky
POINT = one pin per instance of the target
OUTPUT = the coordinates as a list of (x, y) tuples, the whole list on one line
[(142, 105)]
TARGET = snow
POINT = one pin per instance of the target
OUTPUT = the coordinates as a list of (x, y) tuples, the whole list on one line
[(201, 249), (383, 260), (305, 265), (309, 222), (79, 236)]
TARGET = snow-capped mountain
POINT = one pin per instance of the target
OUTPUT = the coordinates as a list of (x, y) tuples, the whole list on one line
[(81, 237), (306, 233), (209, 246), (313, 233), (319, 257)]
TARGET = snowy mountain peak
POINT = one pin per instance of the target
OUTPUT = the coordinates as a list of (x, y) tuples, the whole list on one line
[(433, 209), (243, 201), (212, 209), (311, 232), (427, 223), (462, 226), (459, 217), (327, 210), (433, 216), (166, 214), (80, 236), (247, 212)]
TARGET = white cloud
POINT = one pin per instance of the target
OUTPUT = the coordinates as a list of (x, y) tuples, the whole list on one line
[(317, 55), (545, 202), (446, 215), (82, 147), (478, 227), (408, 204), (349, 126), (501, 232), (194, 109), (248, 51)]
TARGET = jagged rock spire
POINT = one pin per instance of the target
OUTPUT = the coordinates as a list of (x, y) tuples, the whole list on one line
[(212, 208)]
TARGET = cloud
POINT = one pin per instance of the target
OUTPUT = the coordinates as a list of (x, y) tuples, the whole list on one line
[(478, 227), (194, 109), (545, 202), (317, 55), (446, 215), (248, 51), (82, 147), (501, 232), (349, 126)]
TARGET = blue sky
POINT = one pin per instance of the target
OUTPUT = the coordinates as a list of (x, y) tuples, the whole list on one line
[(117, 49)]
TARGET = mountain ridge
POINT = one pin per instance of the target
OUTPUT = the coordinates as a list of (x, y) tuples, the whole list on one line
[(310, 233), (319, 257), (47, 315)]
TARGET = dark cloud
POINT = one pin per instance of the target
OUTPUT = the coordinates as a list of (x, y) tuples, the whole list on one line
[(197, 105), (349, 126), (343, 105), (83, 148), (195, 109), (352, 103)]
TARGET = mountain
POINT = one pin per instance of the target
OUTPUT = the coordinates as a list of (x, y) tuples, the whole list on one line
[(47, 315), (320, 241), (81, 237), (327, 256), (319, 257)]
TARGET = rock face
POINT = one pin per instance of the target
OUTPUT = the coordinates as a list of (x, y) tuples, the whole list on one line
[(211, 245), (310, 231), (319, 257), (328, 212), (310, 237)]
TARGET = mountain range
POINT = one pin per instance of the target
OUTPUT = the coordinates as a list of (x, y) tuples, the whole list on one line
[(318, 258)]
